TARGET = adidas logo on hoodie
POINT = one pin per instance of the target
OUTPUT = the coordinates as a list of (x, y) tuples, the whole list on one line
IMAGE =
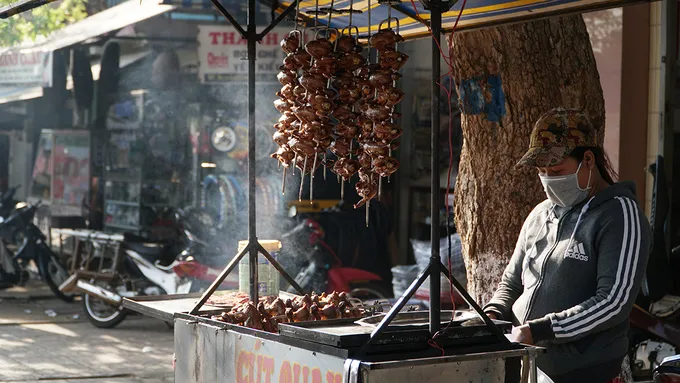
[(577, 252)]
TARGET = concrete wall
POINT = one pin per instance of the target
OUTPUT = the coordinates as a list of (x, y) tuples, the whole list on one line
[(621, 44), (606, 35)]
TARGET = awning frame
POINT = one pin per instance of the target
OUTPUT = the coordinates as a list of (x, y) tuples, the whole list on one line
[(480, 20)]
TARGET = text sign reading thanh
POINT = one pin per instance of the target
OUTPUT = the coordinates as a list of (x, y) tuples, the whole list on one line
[(223, 54)]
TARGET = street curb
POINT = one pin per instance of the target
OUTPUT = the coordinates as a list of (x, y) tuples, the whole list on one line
[(47, 379)]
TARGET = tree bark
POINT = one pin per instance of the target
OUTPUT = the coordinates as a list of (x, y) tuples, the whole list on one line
[(541, 65)]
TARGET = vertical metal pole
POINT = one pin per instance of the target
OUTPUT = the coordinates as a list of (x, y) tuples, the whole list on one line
[(669, 43), (435, 262), (252, 232)]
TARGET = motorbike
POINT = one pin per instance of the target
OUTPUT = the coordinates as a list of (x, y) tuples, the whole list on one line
[(138, 267), (668, 371), (322, 270), (7, 202), (33, 250)]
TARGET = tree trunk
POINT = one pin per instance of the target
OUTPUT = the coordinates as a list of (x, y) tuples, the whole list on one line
[(508, 77)]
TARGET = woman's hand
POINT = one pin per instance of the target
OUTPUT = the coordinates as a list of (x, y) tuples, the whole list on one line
[(522, 334)]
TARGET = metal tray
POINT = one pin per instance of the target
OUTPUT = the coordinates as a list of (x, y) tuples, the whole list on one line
[(416, 319), (164, 307), (350, 333)]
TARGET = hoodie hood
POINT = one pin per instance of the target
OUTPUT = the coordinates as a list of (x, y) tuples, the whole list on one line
[(619, 189)]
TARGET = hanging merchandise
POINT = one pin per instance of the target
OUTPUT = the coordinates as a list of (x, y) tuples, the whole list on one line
[(225, 197), (127, 113), (240, 150), (265, 145), (211, 184), (153, 111), (260, 195), (238, 202), (230, 196), (159, 145), (223, 139)]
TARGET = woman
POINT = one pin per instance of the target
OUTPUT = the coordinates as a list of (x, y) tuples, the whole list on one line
[(580, 257)]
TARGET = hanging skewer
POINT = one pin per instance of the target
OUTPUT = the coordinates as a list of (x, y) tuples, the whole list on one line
[(283, 182), (324, 168), (302, 179), (311, 180), (295, 160), (368, 205)]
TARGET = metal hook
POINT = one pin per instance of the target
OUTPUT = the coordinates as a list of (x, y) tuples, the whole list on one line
[(294, 32), (325, 29), (300, 36), (349, 29), (389, 26)]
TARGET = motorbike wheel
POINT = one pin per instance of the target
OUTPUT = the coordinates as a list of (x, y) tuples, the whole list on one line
[(54, 274), (101, 314), (369, 291)]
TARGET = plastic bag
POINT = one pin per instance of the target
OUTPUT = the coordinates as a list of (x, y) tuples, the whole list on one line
[(402, 277), (422, 249)]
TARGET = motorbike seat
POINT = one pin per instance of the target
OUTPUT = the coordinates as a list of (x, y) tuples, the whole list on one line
[(149, 250)]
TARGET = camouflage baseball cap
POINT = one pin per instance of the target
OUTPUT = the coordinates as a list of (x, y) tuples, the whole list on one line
[(556, 134)]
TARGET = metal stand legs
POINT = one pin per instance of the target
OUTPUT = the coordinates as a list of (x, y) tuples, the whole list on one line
[(253, 246)]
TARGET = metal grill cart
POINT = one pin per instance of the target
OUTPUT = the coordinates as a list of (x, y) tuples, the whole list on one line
[(392, 346)]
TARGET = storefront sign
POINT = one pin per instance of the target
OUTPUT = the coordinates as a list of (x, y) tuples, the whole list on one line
[(204, 353), (223, 54), (268, 362), (30, 68)]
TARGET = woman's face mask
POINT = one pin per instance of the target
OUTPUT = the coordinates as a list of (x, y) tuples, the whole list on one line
[(565, 190)]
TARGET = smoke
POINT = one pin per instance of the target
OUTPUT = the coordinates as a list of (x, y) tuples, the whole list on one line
[(271, 217), (221, 105)]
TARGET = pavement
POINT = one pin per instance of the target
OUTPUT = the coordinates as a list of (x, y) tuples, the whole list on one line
[(44, 339)]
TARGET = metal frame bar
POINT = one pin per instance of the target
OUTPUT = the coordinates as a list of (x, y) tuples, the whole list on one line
[(23, 6), (279, 19), (230, 18), (669, 44), (411, 15), (435, 266), (435, 261), (253, 247)]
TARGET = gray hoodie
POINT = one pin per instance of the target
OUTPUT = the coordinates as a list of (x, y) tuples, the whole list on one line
[(574, 277)]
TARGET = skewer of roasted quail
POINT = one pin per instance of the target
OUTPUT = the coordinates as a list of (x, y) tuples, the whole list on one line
[(346, 129), (378, 130)]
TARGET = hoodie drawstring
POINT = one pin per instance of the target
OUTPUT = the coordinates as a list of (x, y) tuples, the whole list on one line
[(533, 252)]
